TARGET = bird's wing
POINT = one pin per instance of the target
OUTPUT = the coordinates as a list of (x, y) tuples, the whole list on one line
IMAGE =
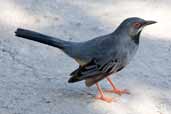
[(95, 69), (103, 59)]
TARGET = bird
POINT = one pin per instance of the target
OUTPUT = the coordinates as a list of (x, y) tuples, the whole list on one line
[(99, 57)]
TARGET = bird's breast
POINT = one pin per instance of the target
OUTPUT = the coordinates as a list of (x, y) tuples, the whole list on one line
[(130, 51)]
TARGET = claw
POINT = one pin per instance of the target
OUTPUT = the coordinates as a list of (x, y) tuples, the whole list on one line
[(104, 98), (117, 91)]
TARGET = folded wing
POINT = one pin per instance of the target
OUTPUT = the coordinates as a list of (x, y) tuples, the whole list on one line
[(94, 72)]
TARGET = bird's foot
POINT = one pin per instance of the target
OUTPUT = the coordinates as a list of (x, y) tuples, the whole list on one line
[(104, 98), (118, 91)]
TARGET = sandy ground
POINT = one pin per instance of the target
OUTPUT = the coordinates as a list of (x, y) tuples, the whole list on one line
[(33, 77)]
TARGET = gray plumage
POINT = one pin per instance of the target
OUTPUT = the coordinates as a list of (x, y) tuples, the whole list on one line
[(100, 56)]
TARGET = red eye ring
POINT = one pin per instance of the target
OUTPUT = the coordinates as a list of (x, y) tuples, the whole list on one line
[(137, 25)]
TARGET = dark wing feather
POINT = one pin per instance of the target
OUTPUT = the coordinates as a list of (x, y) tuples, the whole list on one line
[(94, 70), (84, 72)]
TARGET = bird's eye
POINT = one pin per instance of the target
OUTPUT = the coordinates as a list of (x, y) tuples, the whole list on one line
[(137, 25)]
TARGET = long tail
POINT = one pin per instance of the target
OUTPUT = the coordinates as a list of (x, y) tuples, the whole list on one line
[(35, 36)]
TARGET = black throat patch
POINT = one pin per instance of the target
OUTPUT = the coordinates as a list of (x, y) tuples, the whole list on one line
[(136, 38)]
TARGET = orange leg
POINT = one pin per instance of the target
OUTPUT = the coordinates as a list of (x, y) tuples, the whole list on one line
[(115, 90), (102, 96)]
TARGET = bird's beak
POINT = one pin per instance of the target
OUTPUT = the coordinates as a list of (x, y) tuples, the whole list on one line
[(149, 22)]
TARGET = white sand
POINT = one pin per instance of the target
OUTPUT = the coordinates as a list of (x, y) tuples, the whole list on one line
[(33, 77)]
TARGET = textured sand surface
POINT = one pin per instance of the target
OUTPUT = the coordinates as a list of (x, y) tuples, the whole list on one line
[(33, 77)]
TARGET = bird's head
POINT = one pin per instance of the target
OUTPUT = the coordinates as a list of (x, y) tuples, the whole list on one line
[(134, 25)]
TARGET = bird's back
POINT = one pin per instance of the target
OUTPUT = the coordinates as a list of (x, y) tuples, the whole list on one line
[(102, 56), (105, 47)]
